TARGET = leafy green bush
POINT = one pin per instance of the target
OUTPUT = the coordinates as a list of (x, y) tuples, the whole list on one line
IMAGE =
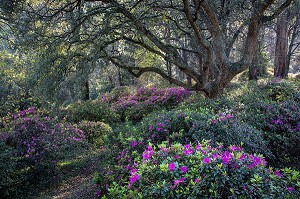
[(226, 128), (280, 90), (91, 111), (280, 123), (8, 165), (172, 126), (190, 126), (95, 132), (200, 171), (117, 93), (36, 143), (13, 103)]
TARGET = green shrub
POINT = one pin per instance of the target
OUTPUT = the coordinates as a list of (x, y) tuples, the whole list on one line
[(139, 111), (117, 93), (200, 171), (226, 128), (13, 103), (280, 123), (190, 126), (91, 111), (95, 132), (8, 165), (172, 126), (280, 90)]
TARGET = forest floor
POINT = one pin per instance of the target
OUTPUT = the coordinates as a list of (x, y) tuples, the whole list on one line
[(76, 178)]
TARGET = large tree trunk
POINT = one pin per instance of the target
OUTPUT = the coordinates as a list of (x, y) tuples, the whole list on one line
[(295, 31), (119, 81), (253, 68), (281, 47), (85, 91)]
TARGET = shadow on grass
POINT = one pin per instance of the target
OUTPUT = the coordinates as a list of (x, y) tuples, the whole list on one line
[(72, 178)]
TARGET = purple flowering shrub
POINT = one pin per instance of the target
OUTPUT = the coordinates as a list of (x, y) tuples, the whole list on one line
[(202, 171), (145, 100), (39, 141), (187, 126), (280, 123), (171, 126)]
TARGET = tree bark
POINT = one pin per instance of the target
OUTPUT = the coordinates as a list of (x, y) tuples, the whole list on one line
[(281, 47), (291, 49), (85, 91)]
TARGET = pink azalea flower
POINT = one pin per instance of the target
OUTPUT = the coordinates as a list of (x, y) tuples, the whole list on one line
[(198, 147), (184, 169), (133, 143), (232, 148), (148, 153), (206, 160), (177, 182), (134, 178), (172, 166), (226, 157), (188, 151), (277, 172), (290, 189)]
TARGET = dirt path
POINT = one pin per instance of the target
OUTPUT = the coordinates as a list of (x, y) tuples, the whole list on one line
[(78, 180)]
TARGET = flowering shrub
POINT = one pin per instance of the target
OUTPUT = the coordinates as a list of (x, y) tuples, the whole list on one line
[(95, 132), (36, 137), (226, 128), (38, 141), (177, 126), (172, 126), (280, 123), (145, 100), (202, 171)]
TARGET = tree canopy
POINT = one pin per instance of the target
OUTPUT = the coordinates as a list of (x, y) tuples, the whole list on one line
[(209, 42)]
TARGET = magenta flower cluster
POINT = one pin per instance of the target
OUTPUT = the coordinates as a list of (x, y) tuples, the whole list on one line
[(152, 96), (38, 138), (222, 117), (175, 168)]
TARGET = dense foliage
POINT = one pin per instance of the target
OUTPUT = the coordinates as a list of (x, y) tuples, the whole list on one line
[(164, 143), (31, 145), (201, 171)]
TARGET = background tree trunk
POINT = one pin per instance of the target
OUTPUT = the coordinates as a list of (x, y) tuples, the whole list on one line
[(281, 46)]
